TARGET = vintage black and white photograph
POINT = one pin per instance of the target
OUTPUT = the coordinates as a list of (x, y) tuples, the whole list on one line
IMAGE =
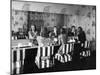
[(52, 37)]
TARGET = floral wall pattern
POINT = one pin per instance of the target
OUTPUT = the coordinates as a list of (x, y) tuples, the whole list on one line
[(44, 19), (86, 18), (35, 18), (19, 20), (78, 15)]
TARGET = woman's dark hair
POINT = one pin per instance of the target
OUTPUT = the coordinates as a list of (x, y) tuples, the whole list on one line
[(55, 26), (34, 27), (72, 26), (62, 31), (69, 30), (80, 28)]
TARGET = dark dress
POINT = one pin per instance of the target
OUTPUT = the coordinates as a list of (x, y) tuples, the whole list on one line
[(52, 34), (71, 34), (78, 48), (82, 37)]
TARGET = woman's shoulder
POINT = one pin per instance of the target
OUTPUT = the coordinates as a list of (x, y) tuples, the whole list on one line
[(82, 32), (29, 32), (38, 37)]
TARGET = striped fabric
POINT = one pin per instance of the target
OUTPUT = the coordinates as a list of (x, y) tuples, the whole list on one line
[(67, 48), (64, 56), (43, 58), (86, 51), (17, 61), (87, 44)]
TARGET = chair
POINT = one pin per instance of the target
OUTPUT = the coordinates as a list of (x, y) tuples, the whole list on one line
[(44, 58), (66, 53), (17, 60), (86, 52)]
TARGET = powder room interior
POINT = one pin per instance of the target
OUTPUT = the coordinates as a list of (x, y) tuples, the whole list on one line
[(50, 15)]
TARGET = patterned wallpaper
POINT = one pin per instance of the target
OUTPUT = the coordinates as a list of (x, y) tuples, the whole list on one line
[(19, 20), (86, 18), (53, 19), (48, 20), (78, 15), (36, 18)]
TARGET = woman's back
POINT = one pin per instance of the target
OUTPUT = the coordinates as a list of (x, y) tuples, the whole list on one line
[(62, 38), (42, 41)]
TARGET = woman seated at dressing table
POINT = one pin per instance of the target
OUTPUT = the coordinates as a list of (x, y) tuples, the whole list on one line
[(33, 34)]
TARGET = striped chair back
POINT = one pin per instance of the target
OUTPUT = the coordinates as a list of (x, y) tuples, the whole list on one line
[(67, 48), (64, 56), (44, 57), (86, 51), (87, 44), (46, 51), (17, 60)]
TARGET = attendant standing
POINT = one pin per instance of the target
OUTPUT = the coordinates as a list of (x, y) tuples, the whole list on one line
[(81, 35)]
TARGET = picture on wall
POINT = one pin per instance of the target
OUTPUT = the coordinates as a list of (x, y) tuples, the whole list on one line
[(52, 37)]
